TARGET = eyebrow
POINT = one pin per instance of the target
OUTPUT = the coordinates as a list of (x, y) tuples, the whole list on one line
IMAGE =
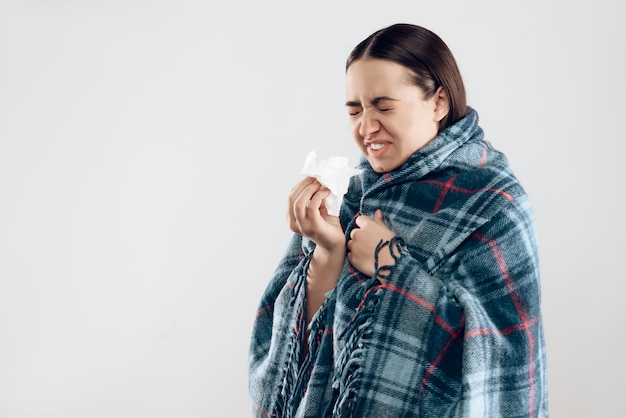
[(374, 101)]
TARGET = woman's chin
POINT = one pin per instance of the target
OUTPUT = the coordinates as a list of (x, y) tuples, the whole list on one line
[(381, 166)]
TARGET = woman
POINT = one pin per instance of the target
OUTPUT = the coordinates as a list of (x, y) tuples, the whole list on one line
[(422, 298)]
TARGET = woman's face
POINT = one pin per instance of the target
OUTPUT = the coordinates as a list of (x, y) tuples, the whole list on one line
[(389, 119)]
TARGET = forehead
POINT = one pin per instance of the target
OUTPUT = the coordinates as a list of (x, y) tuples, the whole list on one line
[(375, 76)]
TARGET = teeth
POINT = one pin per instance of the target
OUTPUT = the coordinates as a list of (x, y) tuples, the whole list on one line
[(377, 146)]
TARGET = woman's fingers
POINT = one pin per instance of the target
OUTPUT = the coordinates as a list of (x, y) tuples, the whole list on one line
[(294, 195), (296, 190), (305, 200), (317, 200), (365, 238), (307, 214)]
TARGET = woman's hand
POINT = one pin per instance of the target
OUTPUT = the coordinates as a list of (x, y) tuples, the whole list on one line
[(363, 242), (307, 215)]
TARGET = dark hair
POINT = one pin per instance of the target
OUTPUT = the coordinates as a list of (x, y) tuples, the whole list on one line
[(427, 57)]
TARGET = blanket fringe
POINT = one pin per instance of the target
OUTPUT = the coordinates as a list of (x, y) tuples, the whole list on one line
[(346, 380), (294, 347)]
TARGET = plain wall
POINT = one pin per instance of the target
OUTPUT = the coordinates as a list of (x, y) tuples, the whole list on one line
[(146, 153)]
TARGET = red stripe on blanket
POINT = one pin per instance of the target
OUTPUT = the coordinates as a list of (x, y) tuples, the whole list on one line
[(468, 191), (264, 310), (443, 351), (507, 331), (484, 157), (355, 274), (443, 193), (261, 410), (520, 312), (420, 302)]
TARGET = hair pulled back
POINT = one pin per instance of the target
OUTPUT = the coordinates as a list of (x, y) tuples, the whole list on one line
[(426, 56)]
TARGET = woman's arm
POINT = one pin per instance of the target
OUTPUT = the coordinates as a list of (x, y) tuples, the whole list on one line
[(307, 216)]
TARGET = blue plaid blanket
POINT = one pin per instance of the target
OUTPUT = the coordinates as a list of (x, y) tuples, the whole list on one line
[(453, 330)]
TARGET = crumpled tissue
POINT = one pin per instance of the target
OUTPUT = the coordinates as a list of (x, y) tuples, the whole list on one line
[(333, 173)]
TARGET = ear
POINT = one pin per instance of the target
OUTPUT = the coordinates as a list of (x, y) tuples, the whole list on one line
[(441, 104)]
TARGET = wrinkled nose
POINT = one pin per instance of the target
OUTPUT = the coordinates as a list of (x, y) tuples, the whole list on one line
[(369, 125)]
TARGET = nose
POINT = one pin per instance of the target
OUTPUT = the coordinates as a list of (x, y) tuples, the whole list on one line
[(369, 124)]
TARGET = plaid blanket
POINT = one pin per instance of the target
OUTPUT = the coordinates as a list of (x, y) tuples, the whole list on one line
[(453, 330)]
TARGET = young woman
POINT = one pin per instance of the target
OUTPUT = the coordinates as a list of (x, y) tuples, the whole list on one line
[(422, 299)]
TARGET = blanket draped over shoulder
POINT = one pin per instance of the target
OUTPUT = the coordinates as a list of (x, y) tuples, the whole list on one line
[(453, 329)]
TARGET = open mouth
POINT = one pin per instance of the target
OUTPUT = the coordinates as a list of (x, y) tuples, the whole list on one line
[(377, 149)]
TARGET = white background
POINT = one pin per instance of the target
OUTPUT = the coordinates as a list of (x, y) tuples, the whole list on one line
[(146, 153)]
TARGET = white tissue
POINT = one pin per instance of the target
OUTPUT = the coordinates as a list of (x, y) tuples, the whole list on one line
[(333, 173)]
